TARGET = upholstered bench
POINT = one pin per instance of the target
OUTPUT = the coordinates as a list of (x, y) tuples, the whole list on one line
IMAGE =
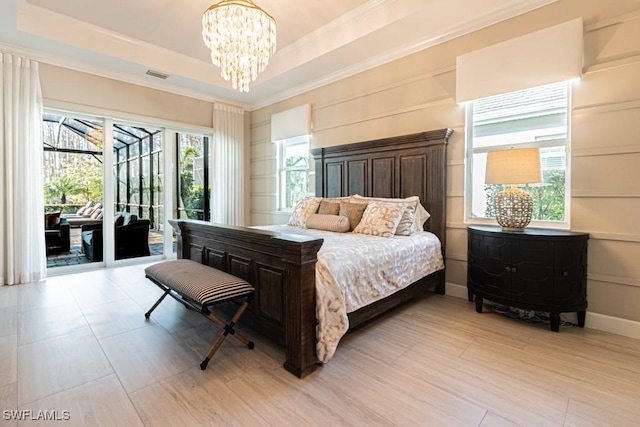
[(198, 286)]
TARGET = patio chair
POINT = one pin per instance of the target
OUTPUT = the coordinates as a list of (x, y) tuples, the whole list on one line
[(131, 238), (56, 233)]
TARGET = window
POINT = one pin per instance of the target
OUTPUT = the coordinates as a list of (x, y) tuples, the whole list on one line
[(536, 117), (293, 161), (138, 166), (194, 185)]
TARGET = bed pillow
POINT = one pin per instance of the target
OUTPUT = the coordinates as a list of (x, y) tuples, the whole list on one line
[(411, 217), (329, 207), (302, 210), (353, 211), (336, 223), (381, 219), (421, 217)]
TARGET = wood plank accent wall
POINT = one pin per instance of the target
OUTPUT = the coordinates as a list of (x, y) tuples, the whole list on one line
[(417, 92)]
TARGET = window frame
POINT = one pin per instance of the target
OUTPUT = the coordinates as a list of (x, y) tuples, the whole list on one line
[(547, 143), (283, 169), (207, 173)]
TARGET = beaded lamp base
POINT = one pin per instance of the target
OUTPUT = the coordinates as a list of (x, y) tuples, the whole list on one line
[(513, 209)]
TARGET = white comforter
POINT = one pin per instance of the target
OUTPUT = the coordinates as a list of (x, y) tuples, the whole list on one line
[(354, 270)]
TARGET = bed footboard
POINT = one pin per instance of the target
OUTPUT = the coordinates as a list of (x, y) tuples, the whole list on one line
[(281, 267)]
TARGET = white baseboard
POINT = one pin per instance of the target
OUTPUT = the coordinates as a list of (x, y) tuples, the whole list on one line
[(615, 325), (600, 322), (454, 290)]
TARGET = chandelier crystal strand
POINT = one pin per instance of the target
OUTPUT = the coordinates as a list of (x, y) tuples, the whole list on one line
[(241, 37)]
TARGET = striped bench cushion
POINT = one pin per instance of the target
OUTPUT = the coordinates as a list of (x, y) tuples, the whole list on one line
[(199, 283)]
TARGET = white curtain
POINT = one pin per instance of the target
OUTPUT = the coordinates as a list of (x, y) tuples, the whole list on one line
[(227, 191), (22, 246)]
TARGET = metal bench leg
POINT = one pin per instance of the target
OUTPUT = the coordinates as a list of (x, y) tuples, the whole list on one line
[(148, 313)]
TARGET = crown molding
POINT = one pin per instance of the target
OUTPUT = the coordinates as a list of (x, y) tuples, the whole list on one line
[(76, 36), (409, 49)]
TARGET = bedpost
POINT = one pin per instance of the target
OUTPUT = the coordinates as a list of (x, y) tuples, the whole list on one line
[(300, 319)]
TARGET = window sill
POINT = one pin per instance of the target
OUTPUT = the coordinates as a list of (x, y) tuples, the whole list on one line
[(547, 225)]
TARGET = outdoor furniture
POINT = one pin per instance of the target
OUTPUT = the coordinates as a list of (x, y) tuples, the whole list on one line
[(89, 214), (79, 221), (131, 238), (56, 233)]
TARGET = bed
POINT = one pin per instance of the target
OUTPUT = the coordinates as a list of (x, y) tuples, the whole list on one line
[(282, 265)]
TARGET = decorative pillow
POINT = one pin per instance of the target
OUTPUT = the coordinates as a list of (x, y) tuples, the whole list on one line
[(353, 211), (406, 226), (329, 207), (338, 224), (381, 219), (51, 220), (302, 210), (421, 217), (97, 214), (84, 208), (408, 223), (118, 219)]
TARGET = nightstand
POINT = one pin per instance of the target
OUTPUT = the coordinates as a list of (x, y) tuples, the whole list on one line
[(533, 269)]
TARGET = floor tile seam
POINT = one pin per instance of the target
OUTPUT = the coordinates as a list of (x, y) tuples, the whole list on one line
[(473, 400), (58, 337), (22, 404), (103, 337)]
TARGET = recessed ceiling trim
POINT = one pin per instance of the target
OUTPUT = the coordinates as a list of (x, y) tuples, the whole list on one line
[(66, 41), (72, 32), (408, 49)]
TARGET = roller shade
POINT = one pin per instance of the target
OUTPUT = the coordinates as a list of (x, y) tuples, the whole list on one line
[(547, 56), (291, 123)]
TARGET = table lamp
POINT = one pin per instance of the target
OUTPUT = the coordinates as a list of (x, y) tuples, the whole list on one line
[(513, 206)]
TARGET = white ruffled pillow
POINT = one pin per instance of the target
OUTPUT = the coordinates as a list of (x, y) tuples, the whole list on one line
[(303, 209)]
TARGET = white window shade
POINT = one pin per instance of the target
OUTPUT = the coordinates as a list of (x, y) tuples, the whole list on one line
[(291, 123), (546, 56)]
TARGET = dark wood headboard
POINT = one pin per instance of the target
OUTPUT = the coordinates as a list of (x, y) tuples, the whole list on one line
[(403, 166)]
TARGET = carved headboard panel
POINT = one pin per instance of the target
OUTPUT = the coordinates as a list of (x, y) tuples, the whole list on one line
[(403, 166)]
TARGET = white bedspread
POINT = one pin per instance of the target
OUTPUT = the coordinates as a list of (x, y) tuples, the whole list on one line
[(354, 270)]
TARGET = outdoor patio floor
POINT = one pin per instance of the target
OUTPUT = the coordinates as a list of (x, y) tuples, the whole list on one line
[(76, 256)]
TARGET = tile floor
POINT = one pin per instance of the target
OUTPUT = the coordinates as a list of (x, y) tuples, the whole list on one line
[(79, 345)]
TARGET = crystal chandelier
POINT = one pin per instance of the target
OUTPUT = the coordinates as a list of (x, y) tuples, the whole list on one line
[(242, 38)]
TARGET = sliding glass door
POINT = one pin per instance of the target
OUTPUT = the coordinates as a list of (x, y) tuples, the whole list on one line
[(138, 170), (73, 188), (150, 173)]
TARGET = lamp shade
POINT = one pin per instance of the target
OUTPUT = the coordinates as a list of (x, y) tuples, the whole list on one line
[(513, 166)]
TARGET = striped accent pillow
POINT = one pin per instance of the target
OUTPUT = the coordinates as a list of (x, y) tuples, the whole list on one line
[(199, 283), (339, 224)]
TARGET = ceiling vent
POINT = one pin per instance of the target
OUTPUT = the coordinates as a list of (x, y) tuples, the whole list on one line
[(157, 74)]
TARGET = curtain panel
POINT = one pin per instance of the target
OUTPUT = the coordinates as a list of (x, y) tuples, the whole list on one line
[(227, 189), (22, 244)]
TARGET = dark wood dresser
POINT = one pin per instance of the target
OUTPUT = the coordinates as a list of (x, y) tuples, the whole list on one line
[(541, 270)]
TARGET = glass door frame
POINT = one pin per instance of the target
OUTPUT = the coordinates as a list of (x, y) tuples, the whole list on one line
[(109, 118)]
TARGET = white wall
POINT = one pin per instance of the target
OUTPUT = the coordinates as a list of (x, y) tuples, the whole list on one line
[(417, 93)]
